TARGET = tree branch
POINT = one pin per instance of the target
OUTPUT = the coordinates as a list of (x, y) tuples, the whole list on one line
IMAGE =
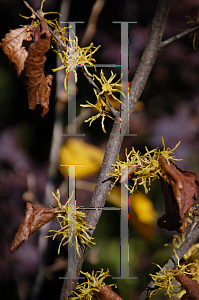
[(192, 237), (179, 36), (113, 147)]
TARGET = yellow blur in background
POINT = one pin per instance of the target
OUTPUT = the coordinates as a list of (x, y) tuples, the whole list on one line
[(142, 215), (77, 152)]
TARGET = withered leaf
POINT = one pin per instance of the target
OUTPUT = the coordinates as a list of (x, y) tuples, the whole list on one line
[(180, 190), (106, 293), (35, 217), (35, 80), (13, 47), (186, 297), (191, 286), (26, 48)]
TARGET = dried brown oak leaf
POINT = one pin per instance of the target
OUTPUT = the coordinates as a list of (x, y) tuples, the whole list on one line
[(34, 79), (35, 217), (14, 46), (180, 190), (106, 293), (191, 286), (26, 48)]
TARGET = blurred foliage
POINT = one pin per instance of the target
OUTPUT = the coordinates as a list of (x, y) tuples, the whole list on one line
[(77, 152), (142, 215)]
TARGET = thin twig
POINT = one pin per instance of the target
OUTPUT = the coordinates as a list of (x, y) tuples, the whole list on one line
[(92, 22), (194, 225), (179, 36), (190, 240), (50, 186), (116, 137), (51, 31)]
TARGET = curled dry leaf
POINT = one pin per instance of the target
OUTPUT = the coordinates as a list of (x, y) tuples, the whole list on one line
[(35, 217), (180, 190), (14, 46), (191, 286), (106, 293), (37, 83), (26, 48)]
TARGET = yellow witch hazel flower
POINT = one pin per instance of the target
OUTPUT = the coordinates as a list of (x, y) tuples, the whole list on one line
[(108, 87), (60, 33), (193, 23), (147, 166), (42, 14), (102, 113), (164, 279), (71, 223), (75, 56), (190, 259), (168, 153), (85, 290)]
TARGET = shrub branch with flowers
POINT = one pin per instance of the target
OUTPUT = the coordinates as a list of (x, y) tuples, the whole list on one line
[(179, 187)]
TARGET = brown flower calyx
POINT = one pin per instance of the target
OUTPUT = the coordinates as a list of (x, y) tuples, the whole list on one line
[(106, 293), (191, 286), (180, 190)]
